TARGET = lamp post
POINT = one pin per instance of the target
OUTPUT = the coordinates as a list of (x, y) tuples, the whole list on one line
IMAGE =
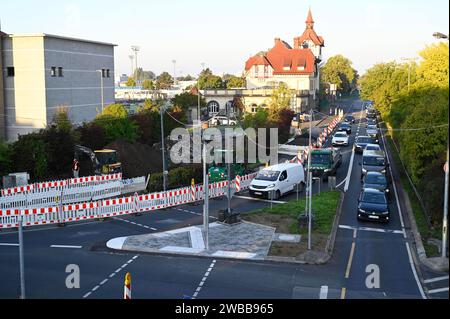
[(174, 73), (163, 149), (101, 86), (205, 194), (439, 35), (409, 60)]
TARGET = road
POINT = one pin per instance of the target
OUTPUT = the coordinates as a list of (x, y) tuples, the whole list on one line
[(49, 250)]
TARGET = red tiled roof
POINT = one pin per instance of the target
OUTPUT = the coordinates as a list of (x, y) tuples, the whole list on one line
[(309, 34), (281, 56)]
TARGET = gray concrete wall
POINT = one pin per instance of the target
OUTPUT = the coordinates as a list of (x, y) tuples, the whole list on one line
[(2, 103), (79, 90)]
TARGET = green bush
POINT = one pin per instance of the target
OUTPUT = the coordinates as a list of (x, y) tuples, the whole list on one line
[(29, 154), (178, 177)]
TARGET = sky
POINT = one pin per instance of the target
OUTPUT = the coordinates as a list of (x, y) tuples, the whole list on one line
[(224, 34)]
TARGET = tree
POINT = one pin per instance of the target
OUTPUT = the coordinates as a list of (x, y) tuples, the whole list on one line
[(164, 81), (280, 99), (338, 70), (150, 105), (186, 99), (114, 110), (148, 85), (235, 82), (142, 75), (186, 78), (434, 67), (5, 158), (130, 82), (61, 119), (92, 135), (207, 80), (29, 155)]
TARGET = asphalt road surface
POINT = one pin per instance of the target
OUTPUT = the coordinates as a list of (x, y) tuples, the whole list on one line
[(360, 248)]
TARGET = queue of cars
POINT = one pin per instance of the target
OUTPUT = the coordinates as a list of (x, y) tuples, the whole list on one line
[(373, 201)]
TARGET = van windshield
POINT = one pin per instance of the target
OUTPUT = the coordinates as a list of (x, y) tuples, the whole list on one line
[(266, 175), (373, 161)]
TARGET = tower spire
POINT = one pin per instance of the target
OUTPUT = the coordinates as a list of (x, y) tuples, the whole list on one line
[(309, 20)]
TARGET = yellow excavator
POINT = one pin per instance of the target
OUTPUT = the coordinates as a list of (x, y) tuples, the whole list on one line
[(103, 161)]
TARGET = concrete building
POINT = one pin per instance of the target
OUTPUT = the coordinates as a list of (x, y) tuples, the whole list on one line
[(297, 67), (42, 73)]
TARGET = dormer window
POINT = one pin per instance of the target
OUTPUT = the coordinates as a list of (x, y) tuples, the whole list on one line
[(300, 68), (305, 45)]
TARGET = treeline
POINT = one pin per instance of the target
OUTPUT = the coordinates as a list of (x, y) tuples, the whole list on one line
[(416, 111), (48, 153)]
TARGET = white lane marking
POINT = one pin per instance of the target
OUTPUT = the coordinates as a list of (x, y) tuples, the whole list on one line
[(110, 276), (413, 268), (8, 244), (343, 181), (435, 291), (380, 230), (395, 188), (194, 213), (427, 281), (323, 292), (137, 224), (49, 228), (66, 246), (261, 199), (349, 173), (202, 282)]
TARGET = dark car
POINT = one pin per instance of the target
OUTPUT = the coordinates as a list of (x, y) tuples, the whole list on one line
[(373, 205), (371, 113), (362, 141), (349, 119), (376, 180), (371, 121), (345, 127)]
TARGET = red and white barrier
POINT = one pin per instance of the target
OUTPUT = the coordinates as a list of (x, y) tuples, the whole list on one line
[(238, 183)]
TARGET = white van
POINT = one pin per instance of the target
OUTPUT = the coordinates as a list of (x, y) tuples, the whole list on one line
[(277, 180)]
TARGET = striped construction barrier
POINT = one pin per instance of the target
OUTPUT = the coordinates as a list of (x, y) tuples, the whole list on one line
[(61, 183), (238, 183), (127, 286)]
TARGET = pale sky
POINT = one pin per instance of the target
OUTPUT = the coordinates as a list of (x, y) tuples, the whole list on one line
[(223, 34)]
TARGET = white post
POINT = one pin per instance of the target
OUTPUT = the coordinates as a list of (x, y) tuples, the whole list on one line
[(206, 200), (309, 180), (21, 259), (444, 222)]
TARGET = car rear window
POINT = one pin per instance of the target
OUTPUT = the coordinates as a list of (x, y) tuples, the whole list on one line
[(374, 198)]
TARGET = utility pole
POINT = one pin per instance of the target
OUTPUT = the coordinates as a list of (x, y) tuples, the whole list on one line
[(163, 149), (174, 73), (135, 49), (309, 179), (21, 259), (444, 222), (206, 199), (132, 65), (228, 159), (409, 60)]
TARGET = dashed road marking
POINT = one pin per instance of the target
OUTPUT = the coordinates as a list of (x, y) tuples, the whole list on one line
[(202, 282), (66, 246), (413, 268), (194, 213), (323, 292), (343, 292), (110, 276), (379, 230), (261, 199), (350, 259), (8, 244), (134, 223)]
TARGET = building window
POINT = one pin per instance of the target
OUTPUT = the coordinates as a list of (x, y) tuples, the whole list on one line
[(53, 71), (266, 71), (107, 73), (255, 71), (10, 71), (60, 71), (103, 73), (213, 107), (254, 108)]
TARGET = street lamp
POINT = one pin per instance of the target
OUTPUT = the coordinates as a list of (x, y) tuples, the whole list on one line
[(409, 60), (439, 35), (101, 85), (205, 140)]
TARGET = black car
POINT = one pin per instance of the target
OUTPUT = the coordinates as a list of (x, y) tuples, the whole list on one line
[(349, 119), (345, 127), (376, 180), (371, 121), (362, 141), (373, 205)]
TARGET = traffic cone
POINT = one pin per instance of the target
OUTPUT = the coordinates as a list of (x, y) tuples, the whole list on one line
[(127, 287)]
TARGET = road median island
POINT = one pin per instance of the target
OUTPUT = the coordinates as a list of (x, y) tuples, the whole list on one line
[(284, 218)]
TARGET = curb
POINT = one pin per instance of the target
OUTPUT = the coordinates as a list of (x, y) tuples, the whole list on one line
[(417, 238)]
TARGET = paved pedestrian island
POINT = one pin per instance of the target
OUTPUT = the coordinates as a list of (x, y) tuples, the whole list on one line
[(243, 240)]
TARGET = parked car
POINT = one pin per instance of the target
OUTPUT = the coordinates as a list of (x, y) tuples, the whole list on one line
[(349, 119), (222, 120), (373, 161), (376, 180), (277, 180), (372, 147), (372, 131), (371, 113), (373, 205), (340, 138), (345, 127), (362, 141)]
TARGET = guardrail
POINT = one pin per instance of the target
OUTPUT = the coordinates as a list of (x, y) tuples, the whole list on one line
[(56, 214)]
